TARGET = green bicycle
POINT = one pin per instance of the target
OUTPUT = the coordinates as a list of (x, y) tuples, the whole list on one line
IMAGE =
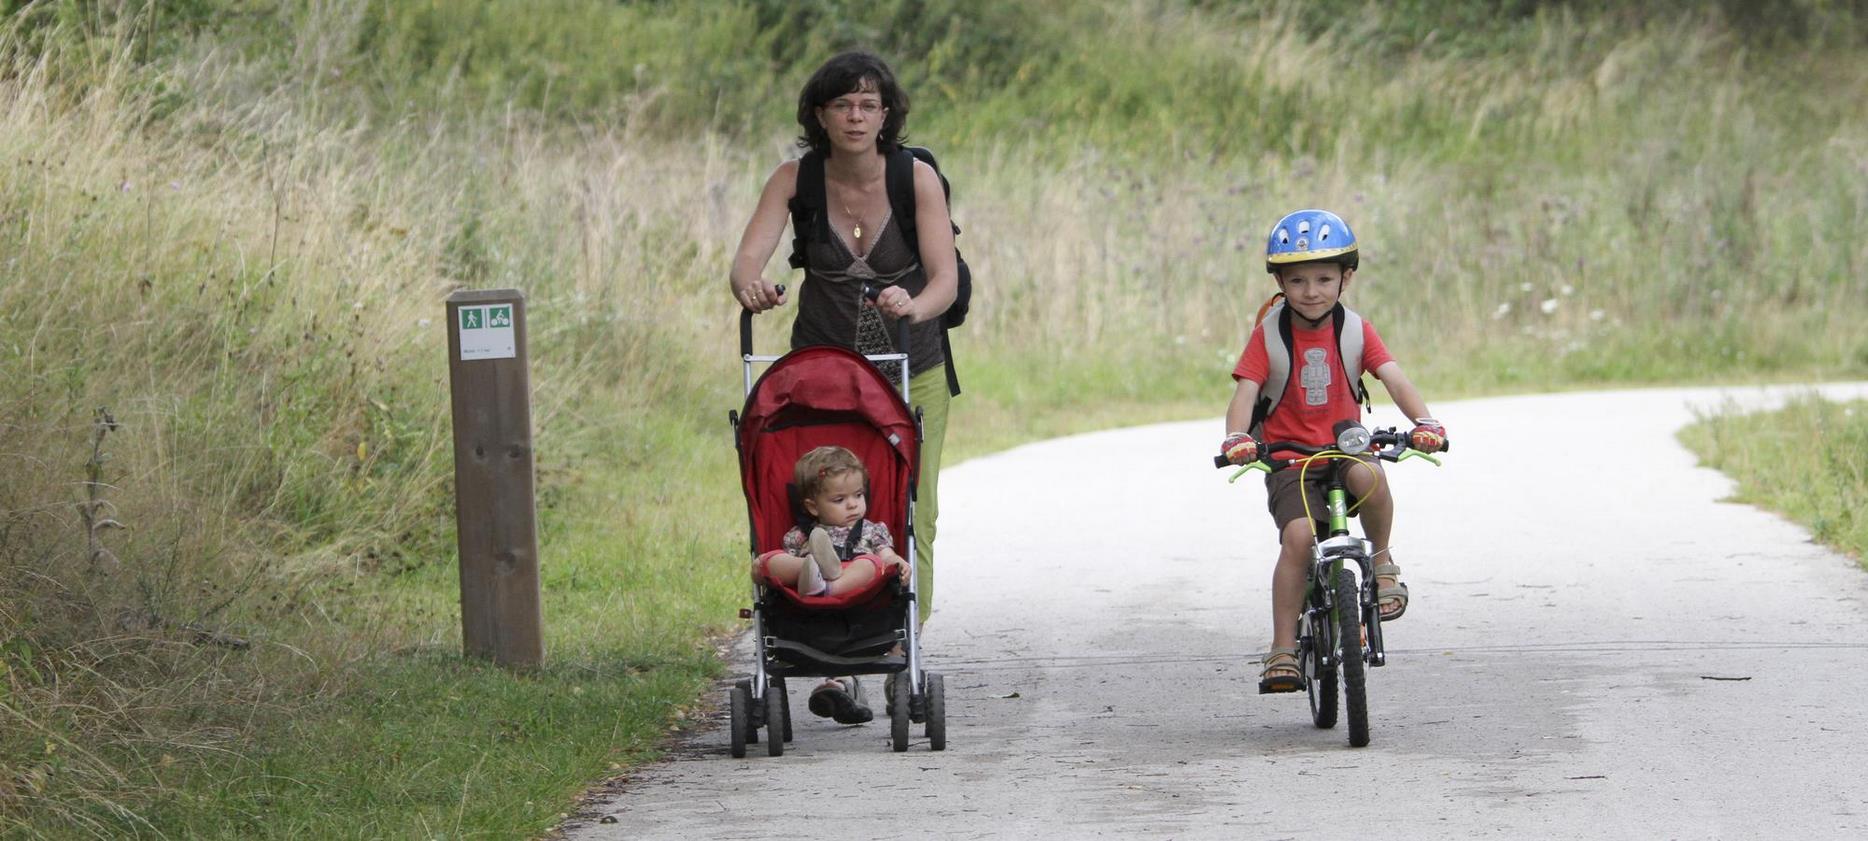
[(1339, 630)]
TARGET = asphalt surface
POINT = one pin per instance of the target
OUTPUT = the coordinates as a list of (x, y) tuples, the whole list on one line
[(1598, 647)]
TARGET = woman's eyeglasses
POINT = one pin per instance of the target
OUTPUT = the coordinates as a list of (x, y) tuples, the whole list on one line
[(843, 107)]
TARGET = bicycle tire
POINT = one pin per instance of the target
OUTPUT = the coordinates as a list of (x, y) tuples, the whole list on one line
[(1319, 680), (1355, 675)]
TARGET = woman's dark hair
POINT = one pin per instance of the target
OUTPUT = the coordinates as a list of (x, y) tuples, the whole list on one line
[(848, 73)]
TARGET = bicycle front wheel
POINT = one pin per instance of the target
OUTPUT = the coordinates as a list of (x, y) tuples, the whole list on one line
[(1314, 639), (1349, 639)]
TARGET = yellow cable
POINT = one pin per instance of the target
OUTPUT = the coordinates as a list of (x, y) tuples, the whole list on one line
[(1304, 469)]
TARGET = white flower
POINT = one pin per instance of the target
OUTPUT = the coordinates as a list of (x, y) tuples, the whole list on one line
[(1548, 306), (1567, 290), (1596, 315), (1502, 311), (1524, 287)]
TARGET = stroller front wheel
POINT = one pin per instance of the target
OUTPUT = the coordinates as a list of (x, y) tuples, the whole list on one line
[(739, 702), (898, 713), (775, 719)]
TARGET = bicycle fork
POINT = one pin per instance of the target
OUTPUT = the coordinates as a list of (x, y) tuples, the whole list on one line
[(1328, 558)]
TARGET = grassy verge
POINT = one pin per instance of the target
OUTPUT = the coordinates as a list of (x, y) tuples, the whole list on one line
[(234, 222), (1803, 461)]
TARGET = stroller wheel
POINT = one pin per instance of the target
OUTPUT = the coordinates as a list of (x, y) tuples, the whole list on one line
[(899, 715), (785, 725), (755, 713), (936, 711), (775, 720), (739, 701)]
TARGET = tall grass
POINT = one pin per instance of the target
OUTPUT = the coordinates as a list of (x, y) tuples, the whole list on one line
[(234, 224)]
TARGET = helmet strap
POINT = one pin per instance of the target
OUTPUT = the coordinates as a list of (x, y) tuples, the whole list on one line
[(1313, 323)]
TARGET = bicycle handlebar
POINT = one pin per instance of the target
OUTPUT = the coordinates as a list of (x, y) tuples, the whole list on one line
[(1388, 444)]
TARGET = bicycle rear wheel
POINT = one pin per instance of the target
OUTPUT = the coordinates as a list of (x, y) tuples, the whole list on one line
[(1314, 638), (1349, 637)]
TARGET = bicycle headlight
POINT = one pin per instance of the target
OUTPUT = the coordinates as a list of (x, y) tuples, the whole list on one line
[(1352, 438)]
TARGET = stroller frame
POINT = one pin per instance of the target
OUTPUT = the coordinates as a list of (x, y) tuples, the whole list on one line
[(762, 700)]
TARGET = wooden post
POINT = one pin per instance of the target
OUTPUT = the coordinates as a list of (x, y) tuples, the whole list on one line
[(493, 494)]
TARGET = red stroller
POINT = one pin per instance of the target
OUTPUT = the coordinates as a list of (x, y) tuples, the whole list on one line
[(811, 397)]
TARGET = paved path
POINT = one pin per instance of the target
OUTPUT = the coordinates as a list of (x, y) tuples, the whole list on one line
[(1597, 649)]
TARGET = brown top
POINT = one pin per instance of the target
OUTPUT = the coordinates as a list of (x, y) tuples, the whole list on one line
[(831, 310)]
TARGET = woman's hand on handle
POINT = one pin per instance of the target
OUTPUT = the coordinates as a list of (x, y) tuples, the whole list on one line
[(895, 302), (758, 295)]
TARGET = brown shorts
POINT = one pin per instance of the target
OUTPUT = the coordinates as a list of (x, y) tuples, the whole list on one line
[(1286, 501)]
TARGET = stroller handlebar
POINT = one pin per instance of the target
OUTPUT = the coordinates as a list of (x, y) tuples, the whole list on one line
[(869, 292)]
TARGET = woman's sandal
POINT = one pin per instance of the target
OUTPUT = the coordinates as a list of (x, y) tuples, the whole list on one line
[(1280, 673), (1388, 596), (834, 699)]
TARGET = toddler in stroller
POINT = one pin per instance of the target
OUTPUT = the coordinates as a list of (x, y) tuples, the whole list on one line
[(833, 487), (828, 453), (844, 553)]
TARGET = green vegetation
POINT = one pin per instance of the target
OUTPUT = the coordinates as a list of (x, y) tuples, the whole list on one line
[(1803, 461), (233, 222)]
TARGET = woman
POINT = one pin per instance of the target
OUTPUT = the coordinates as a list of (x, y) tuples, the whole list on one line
[(853, 114)]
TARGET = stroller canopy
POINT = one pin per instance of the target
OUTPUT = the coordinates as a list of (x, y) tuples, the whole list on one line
[(820, 396)]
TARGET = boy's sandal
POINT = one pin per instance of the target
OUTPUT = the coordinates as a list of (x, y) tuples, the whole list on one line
[(1386, 597), (1280, 673), (833, 700)]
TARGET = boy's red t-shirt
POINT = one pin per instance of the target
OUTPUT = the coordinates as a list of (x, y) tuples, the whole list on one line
[(1316, 397)]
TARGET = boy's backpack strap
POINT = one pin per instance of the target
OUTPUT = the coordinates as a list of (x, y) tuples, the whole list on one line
[(808, 222), (1349, 348), (1277, 332)]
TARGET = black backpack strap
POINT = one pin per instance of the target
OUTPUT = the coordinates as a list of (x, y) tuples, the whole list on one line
[(899, 180), (848, 550), (808, 222), (946, 352)]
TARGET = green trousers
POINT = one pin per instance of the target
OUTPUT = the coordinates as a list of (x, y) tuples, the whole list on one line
[(928, 391)]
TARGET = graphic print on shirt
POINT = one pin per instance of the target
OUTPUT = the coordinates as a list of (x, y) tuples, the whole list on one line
[(1315, 377)]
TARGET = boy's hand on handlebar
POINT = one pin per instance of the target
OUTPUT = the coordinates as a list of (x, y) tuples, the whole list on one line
[(1239, 448), (1428, 436)]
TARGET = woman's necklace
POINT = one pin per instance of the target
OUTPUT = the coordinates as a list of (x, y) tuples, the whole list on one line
[(856, 222)]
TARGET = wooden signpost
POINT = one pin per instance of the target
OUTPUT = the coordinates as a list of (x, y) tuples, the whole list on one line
[(493, 493)]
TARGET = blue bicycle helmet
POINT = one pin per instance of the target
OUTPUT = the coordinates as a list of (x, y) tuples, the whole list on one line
[(1307, 236)]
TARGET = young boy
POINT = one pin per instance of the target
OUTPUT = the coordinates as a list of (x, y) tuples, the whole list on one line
[(1312, 255)]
